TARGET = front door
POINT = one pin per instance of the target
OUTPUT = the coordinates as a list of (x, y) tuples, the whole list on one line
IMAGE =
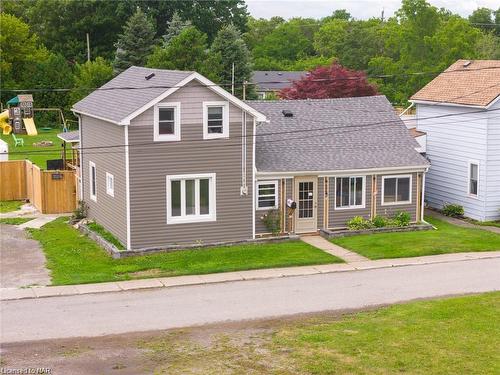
[(306, 198)]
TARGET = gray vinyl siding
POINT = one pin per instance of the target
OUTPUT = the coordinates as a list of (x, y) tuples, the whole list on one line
[(150, 164), (492, 201), (260, 227), (321, 202), (110, 212), (337, 218), (391, 210), (452, 142)]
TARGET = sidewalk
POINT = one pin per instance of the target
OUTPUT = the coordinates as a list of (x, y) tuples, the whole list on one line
[(167, 282), (331, 248)]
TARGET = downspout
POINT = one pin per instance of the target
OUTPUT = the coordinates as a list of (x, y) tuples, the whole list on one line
[(423, 197), (244, 187), (407, 109)]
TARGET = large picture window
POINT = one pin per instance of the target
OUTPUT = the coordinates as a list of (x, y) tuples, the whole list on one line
[(474, 179), (350, 192), (167, 122), (396, 189), (190, 198), (215, 120), (267, 195)]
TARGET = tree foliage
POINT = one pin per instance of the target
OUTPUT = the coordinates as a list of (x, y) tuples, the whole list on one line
[(136, 43), (334, 81), (175, 27), (89, 76)]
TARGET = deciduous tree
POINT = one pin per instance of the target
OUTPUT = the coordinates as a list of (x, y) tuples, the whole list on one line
[(89, 76)]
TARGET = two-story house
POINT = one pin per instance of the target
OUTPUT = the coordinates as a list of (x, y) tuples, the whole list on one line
[(460, 113), (170, 158)]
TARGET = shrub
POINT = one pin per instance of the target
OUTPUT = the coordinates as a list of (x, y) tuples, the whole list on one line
[(380, 221), (358, 222), (402, 219), (272, 221), (81, 212), (453, 210)]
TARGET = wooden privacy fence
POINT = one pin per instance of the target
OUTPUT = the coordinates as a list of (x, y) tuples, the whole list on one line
[(51, 192)]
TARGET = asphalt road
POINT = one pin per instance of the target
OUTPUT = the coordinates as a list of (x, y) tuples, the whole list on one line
[(122, 312)]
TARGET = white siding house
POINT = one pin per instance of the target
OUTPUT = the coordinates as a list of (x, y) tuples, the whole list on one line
[(463, 139)]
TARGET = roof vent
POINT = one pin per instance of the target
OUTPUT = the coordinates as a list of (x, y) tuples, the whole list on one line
[(287, 113), (467, 63), (280, 74), (149, 76)]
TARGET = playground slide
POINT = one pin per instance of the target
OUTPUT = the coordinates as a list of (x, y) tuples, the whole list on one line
[(4, 124), (29, 124)]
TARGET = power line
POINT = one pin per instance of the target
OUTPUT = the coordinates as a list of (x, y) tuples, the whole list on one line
[(380, 76)]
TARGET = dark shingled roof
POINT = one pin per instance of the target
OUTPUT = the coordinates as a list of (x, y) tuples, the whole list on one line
[(274, 80), (116, 104), (362, 133)]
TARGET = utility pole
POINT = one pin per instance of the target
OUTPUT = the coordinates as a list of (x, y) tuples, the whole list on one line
[(382, 16), (88, 47), (232, 80), (244, 89)]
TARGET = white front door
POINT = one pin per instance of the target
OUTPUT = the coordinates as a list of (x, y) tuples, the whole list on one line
[(306, 198)]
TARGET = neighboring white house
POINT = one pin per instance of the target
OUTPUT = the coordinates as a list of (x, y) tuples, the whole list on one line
[(4, 151), (460, 113)]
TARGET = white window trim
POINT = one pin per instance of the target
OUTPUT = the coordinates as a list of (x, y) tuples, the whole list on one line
[(110, 190), (471, 162), (225, 120), (351, 207), (92, 179), (383, 203), (192, 218), (276, 195), (177, 122)]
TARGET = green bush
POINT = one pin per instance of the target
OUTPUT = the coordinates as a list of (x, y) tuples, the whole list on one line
[(402, 219), (272, 221), (453, 210), (358, 222), (380, 221)]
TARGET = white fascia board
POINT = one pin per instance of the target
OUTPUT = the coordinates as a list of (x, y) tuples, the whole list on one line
[(428, 102), (205, 81), (94, 116), (493, 102), (421, 168)]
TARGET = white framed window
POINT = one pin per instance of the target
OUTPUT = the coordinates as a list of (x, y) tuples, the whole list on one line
[(473, 179), (396, 189), (350, 192), (267, 195), (215, 120), (110, 184), (167, 122), (191, 198), (92, 181)]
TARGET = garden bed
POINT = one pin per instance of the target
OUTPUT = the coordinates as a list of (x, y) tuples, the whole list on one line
[(329, 233)]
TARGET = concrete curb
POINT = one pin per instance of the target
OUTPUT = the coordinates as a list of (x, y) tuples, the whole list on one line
[(7, 294)]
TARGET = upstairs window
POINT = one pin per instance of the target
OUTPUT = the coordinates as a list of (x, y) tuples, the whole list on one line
[(110, 184), (215, 120), (474, 179), (350, 192), (190, 198), (92, 181), (396, 190), (167, 122), (267, 195)]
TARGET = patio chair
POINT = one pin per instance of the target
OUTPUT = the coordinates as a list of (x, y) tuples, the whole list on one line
[(18, 141)]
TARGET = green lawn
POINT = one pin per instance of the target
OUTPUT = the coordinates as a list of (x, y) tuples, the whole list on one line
[(38, 155), (452, 336), (15, 220), (495, 223), (447, 238), (73, 258), (9, 206)]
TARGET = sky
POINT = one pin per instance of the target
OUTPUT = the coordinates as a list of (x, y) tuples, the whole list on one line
[(361, 9)]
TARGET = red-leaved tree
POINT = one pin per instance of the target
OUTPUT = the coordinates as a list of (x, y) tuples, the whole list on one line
[(333, 81)]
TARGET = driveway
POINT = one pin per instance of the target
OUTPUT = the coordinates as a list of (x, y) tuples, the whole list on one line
[(22, 259), (123, 312)]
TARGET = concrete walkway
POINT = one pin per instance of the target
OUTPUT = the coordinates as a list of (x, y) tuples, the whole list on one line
[(38, 222), (272, 273), (459, 222), (330, 248)]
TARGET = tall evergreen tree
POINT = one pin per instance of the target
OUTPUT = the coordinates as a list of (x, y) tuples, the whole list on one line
[(232, 49), (136, 43), (175, 26)]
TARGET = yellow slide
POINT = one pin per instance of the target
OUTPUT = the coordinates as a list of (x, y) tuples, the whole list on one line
[(29, 124), (4, 123)]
